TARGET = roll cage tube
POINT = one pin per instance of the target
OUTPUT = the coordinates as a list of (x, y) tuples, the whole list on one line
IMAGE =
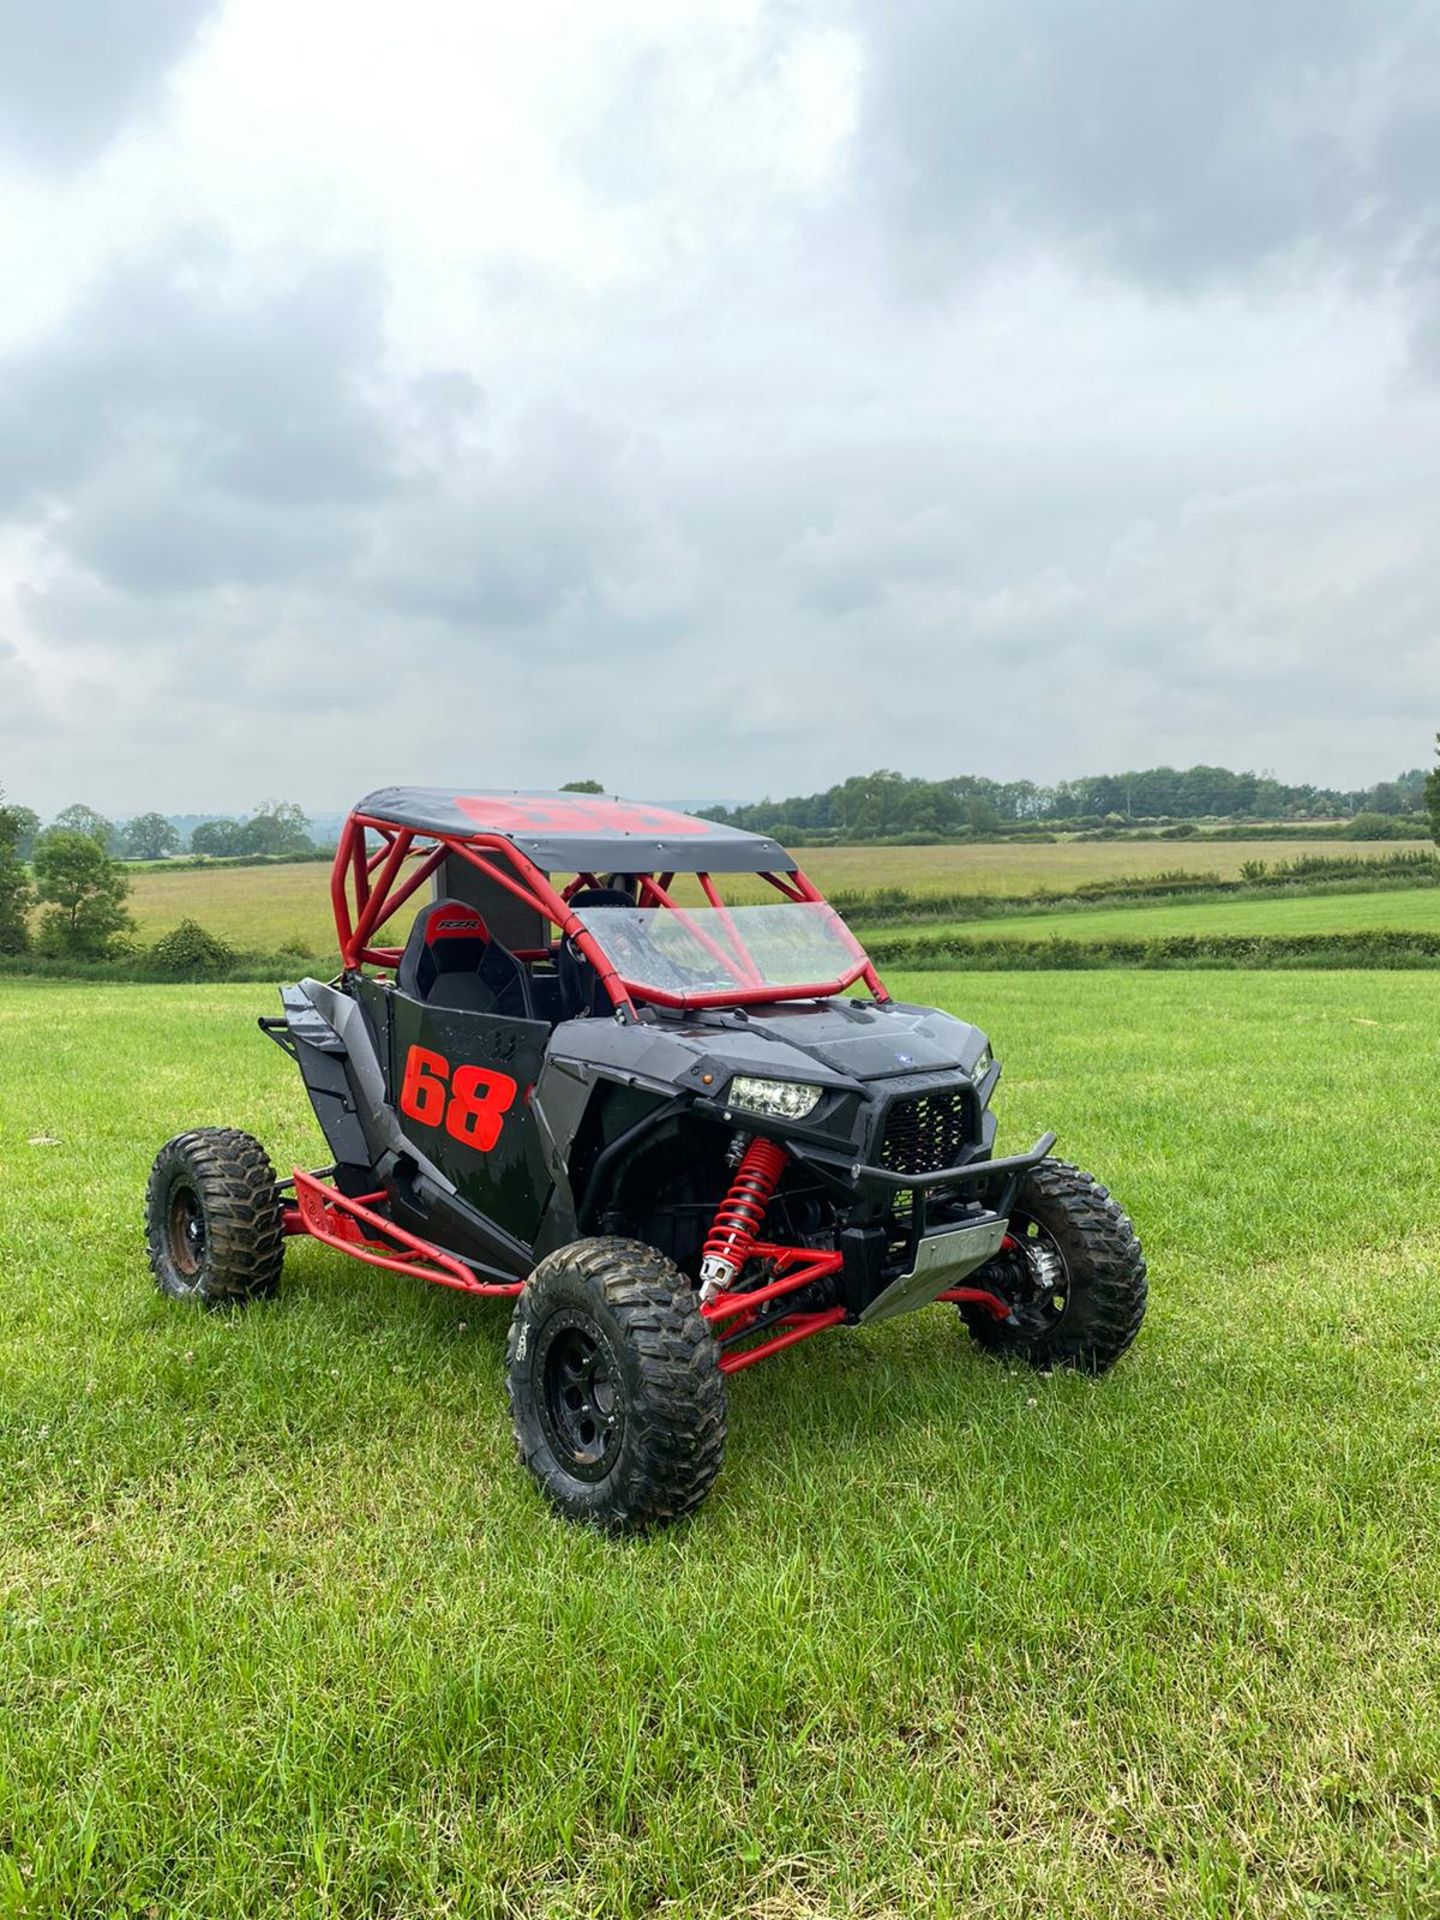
[(369, 886)]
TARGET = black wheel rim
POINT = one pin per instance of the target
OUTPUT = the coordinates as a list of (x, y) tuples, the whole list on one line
[(1034, 1278), (582, 1401), (185, 1231)]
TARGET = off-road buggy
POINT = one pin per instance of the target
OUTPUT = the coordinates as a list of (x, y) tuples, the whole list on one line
[(683, 1133)]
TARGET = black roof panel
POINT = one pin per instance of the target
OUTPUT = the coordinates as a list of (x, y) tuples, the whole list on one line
[(581, 832)]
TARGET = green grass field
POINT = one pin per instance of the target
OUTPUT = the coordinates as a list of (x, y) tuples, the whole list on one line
[(283, 1629), (1417, 907), (258, 908)]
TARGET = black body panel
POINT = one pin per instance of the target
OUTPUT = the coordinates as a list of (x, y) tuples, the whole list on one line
[(627, 1128), (507, 1182)]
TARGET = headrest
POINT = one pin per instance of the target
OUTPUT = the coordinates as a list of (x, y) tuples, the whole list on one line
[(599, 897), (453, 920), (447, 936)]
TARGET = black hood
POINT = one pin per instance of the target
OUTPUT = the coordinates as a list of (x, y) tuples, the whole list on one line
[(832, 1041)]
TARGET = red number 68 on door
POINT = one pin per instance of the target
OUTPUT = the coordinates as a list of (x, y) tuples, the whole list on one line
[(472, 1102)]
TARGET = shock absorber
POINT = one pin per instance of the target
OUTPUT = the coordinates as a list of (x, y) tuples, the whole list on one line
[(736, 1227)]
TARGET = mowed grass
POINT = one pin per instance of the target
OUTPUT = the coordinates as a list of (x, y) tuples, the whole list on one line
[(1412, 908), (283, 1629), (260, 908)]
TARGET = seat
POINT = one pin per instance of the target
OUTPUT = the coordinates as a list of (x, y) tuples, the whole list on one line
[(450, 960), (581, 988)]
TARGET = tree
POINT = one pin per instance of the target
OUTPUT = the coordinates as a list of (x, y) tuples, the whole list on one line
[(24, 825), (582, 786), (277, 826), (149, 836), (15, 890), (1432, 795), (82, 819), (220, 839), (83, 891)]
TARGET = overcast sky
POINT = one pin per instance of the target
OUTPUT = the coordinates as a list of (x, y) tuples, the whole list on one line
[(713, 397)]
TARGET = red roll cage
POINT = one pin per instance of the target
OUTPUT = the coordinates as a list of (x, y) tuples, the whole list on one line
[(381, 863)]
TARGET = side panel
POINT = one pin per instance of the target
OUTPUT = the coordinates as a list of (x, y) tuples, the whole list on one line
[(461, 1084)]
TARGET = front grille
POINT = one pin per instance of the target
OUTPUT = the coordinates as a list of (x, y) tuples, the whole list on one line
[(925, 1132)]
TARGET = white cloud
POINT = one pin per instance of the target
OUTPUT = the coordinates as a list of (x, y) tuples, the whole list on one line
[(471, 391)]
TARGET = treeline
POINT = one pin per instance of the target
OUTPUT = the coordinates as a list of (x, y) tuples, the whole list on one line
[(277, 828), (64, 887), (886, 805)]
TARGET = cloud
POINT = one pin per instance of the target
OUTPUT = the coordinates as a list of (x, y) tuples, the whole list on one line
[(1175, 143), (605, 431), (180, 432), (73, 75)]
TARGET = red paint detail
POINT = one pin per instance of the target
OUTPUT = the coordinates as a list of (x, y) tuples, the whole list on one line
[(741, 1213), (479, 1101), (454, 921), (422, 1092), (577, 813), (802, 1327), (354, 1227), (473, 1107)]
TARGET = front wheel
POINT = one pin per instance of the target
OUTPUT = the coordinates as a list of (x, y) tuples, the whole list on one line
[(616, 1394), (1071, 1272)]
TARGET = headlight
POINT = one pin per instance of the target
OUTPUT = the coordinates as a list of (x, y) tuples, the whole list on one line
[(778, 1099), (982, 1066)]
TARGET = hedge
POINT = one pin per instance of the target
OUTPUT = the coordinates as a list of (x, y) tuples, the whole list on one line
[(1377, 947)]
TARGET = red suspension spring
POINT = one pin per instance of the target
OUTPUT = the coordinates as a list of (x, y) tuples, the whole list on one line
[(732, 1237)]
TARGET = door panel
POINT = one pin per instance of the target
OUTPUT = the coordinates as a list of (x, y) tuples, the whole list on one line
[(461, 1085)]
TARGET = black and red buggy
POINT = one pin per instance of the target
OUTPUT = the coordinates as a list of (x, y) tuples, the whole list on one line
[(679, 1121)]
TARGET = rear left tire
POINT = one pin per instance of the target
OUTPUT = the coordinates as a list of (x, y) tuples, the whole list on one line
[(213, 1222)]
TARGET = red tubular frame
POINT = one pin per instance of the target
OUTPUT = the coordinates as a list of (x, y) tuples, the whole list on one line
[(336, 1220), (373, 879), (977, 1297), (801, 1327)]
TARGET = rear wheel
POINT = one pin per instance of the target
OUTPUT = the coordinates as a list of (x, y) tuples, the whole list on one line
[(616, 1394), (1072, 1274), (213, 1226)]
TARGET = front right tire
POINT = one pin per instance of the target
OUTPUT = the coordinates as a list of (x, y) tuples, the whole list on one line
[(616, 1395), (1071, 1272)]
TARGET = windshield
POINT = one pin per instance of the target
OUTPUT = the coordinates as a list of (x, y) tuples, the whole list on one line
[(691, 952)]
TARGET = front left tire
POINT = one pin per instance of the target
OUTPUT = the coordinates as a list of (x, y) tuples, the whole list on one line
[(616, 1395), (213, 1222)]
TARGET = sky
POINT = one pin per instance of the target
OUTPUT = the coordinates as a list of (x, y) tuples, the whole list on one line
[(713, 397)]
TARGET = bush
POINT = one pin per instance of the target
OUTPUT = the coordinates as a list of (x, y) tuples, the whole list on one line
[(1374, 826), (188, 950)]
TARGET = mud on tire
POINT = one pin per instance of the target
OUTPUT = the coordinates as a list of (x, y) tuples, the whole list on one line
[(1074, 1277), (616, 1396), (213, 1226)]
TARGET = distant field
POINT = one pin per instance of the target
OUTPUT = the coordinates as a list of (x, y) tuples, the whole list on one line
[(1412, 908), (255, 907), (285, 1632), (263, 907)]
